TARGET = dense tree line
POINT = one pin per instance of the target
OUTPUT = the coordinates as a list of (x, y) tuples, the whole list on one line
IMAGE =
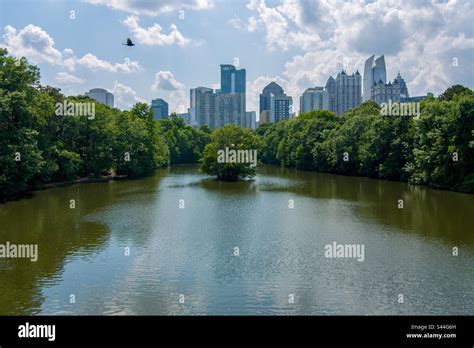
[(38, 145), (186, 144), (434, 148)]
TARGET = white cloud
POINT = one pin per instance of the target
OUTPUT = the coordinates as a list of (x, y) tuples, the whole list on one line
[(154, 7), (277, 24), (153, 35), (93, 63), (235, 22), (165, 81), (419, 39), (31, 42), (125, 97), (67, 79), (252, 24), (37, 45)]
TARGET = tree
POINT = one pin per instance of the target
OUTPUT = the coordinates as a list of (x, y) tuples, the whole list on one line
[(456, 90), (232, 153), (185, 143)]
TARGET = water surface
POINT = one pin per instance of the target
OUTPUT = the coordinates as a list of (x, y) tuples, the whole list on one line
[(190, 251)]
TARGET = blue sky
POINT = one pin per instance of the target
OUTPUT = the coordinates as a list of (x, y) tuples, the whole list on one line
[(298, 43)]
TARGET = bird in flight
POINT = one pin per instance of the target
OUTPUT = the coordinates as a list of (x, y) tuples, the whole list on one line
[(129, 43)]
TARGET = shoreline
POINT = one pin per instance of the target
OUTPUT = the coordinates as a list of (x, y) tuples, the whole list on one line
[(87, 180)]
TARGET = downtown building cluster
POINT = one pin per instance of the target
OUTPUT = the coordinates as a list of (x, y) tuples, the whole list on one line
[(345, 91), (227, 105)]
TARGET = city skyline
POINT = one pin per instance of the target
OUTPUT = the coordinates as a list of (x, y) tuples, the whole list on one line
[(291, 42)]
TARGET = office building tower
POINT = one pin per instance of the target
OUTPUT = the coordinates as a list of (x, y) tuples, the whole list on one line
[(202, 107), (314, 99), (331, 90), (280, 107), (385, 92), (271, 88), (403, 87), (264, 117), (159, 108), (230, 109), (250, 120), (374, 71), (348, 91), (232, 79), (101, 95), (275, 105)]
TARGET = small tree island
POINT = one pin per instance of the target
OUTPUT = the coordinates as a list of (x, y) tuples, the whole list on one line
[(232, 153)]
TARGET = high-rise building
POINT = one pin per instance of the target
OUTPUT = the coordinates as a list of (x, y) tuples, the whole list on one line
[(186, 116), (331, 89), (230, 109), (264, 117), (348, 91), (159, 108), (280, 108), (232, 79), (101, 95), (385, 92), (374, 72), (221, 107), (403, 87), (202, 107), (275, 105), (271, 88), (250, 120), (314, 99)]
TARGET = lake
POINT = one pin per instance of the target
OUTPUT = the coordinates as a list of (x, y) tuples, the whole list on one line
[(181, 243)]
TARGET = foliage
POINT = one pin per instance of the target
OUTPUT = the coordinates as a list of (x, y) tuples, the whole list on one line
[(234, 138), (38, 146), (185, 143), (436, 148)]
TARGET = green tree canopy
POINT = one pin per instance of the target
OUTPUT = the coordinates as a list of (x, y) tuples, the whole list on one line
[(231, 139)]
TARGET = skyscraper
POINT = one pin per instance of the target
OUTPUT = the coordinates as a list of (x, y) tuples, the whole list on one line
[(374, 72), (159, 108), (331, 89), (230, 109), (385, 92), (314, 99), (232, 79), (101, 95), (202, 107), (274, 103), (348, 91), (403, 87), (271, 88), (226, 105), (250, 120), (280, 107)]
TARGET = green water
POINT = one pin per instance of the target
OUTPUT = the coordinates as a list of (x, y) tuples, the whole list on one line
[(191, 251)]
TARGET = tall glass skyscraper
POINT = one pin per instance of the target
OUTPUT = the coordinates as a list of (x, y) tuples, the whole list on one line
[(272, 88), (374, 72), (159, 108), (232, 79)]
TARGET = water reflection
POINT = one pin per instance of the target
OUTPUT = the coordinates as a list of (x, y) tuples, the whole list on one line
[(189, 249)]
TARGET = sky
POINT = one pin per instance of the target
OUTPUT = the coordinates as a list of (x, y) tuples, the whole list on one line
[(180, 44)]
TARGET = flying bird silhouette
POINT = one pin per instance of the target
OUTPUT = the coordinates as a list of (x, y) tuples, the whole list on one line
[(129, 43)]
